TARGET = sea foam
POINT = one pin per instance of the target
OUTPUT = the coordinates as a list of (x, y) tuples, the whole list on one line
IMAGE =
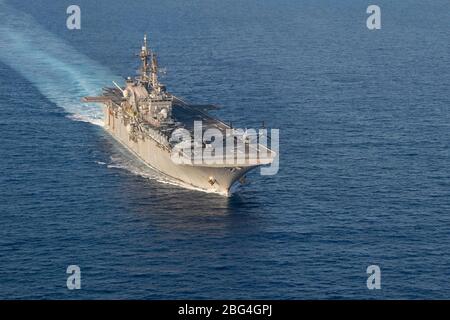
[(56, 69)]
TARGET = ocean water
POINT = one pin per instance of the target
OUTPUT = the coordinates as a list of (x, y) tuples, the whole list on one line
[(364, 152)]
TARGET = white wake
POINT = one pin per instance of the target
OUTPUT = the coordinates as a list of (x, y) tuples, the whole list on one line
[(57, 70)]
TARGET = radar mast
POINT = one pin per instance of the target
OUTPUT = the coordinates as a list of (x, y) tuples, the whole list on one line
[(144, 55), (149, 72), (154, 74)]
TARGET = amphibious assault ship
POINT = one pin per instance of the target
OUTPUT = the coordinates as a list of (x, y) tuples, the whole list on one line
[(147, 120)]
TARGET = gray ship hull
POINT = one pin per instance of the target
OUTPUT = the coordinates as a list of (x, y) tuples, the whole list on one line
[(146, 120), (158, 158)]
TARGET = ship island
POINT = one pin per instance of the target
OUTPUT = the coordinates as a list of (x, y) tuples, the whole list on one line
[(146, 119)]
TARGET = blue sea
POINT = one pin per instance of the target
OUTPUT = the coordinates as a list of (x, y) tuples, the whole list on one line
[(364, 179)]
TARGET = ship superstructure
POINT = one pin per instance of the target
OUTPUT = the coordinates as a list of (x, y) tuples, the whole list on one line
[(145, 119)]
